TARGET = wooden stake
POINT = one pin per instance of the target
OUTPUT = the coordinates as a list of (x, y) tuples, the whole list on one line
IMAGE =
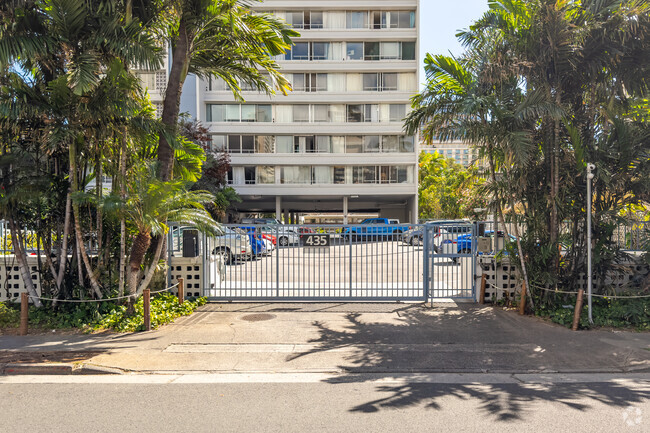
[(181, 291), (578, 310), (146, 304), (24, 313), (522, 303), (481, 298)]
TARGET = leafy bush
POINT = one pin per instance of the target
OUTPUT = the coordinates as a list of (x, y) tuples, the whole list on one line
[(617, 313), (95, 316), (9, 315)]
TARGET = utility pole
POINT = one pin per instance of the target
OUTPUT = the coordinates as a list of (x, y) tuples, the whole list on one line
[(590, 176)]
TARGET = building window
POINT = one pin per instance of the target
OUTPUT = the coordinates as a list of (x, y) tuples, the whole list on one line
[(397, 112), (238, 113), (295, 175), (265, 174), (249, 175), (380, 81), (354, 50), (310, 82), (321, 175), (356, 20)]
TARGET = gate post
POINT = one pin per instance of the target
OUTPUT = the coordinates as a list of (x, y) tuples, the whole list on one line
[(426, 287)]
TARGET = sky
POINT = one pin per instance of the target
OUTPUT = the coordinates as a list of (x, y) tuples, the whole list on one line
[(441, 19)]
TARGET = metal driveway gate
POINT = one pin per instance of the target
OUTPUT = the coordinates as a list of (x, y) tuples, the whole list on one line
[(362, 262)]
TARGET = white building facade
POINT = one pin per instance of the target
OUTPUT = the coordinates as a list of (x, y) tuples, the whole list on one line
[(336, 143)]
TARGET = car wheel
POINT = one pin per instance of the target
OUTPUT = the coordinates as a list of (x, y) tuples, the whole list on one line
[(284, 241), (466, 251), (225, 255), (414, 241)]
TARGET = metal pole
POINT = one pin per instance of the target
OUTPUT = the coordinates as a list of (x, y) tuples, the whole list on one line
[(590, 176)]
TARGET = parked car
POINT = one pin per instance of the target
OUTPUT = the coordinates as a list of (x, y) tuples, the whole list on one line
[(375, 228), (254, 235), (285, 235), (463, 244), (232, 246), (441, 230)]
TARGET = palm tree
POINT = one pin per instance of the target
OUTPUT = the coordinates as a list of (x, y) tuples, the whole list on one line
[(219, 38), (150, 203)]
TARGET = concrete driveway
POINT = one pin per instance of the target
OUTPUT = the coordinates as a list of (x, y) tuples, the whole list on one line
[(346, 338)]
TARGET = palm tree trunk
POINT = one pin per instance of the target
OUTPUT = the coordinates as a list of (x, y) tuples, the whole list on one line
[(171, 104), (21, 257), (122, 181), (81, 249), (138, 250), (154, 264), (63, 253)]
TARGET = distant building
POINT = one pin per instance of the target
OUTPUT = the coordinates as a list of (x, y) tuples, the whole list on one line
[(461, 152)]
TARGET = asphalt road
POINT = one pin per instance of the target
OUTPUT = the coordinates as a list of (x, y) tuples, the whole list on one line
[(315, 403)]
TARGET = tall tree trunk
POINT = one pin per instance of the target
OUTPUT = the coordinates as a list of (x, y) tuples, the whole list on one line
[(122, 181), (100, 221), (154, 263), (81, 249), (21, 257), (138, 250), (63, 253), (171, 104)]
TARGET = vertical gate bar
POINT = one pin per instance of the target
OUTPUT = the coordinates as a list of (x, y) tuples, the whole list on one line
[(426, 291), (350, 260), (277, 262)]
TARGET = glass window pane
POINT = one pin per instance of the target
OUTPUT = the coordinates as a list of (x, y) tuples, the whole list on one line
[(355, 113), (321, 82), (371, 50), (247, 143), (397, 112), (389, 81), (357, 20), (370, 174), (370, 82), (265, 174), (298, 82), (316, 19), (218, 143), (321, 175), (295, 19), (337, 113), (323, 144), (249, 175), (215, 113), (353, 144), (264, 144), (264, 113), (371, 143), (320, 51), (376, 19), (301, 113), (371, 113), (284, 143), (248, 113), (232, 113), (339, 175), (390, 50), (300, 51), (406, 144), (405, 19), (234, 143), (408, 50), (354, 50), (389, 144), (321, 112), (338, 144)]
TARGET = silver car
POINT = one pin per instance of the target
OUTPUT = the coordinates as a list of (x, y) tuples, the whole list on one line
[(232, 246)]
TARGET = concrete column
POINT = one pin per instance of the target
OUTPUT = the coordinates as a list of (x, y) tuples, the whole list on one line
[(414, 210), (286, 216), (278, 208), (345, 209), (294, 219)]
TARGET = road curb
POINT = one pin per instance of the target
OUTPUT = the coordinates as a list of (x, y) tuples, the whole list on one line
[(55, 369)]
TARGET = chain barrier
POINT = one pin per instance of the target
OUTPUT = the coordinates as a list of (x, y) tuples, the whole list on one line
[(567, 292), (85, 301)]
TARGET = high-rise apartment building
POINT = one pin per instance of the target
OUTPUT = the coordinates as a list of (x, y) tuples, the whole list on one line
[(336, 143)]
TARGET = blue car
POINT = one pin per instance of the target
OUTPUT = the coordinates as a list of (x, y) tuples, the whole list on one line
[(463, 244), (257, 244)]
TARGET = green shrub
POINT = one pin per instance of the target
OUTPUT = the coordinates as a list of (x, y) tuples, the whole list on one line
[(94, 316), (9, 315)]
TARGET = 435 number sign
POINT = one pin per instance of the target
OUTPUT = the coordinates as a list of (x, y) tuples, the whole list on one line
[(315, 240)]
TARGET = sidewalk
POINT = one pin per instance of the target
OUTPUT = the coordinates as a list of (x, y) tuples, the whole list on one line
[(339, 337)]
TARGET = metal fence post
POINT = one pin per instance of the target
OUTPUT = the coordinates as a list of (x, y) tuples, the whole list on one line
[(350, 260), (426, 289)]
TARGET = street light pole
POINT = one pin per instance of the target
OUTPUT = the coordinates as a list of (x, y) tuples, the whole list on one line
[(590, 176)]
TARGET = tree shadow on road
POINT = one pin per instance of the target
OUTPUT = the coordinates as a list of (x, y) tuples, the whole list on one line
[(467, 339)]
